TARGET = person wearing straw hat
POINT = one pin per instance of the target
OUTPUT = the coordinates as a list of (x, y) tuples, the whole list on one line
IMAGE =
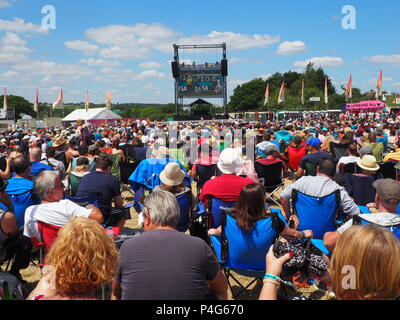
[(368, 165), (228, 185), (173, 179)]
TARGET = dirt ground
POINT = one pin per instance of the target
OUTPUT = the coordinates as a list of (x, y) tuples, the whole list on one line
[(32, 273)]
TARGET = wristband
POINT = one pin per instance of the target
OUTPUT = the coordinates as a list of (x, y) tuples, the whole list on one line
[(276, 278)]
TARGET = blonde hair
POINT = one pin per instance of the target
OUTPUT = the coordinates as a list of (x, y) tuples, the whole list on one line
[(83, 257), (374, 252)]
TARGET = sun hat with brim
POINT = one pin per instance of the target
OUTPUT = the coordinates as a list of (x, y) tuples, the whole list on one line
[(229, 161), (368, 163), (172, 175), (59, 141)]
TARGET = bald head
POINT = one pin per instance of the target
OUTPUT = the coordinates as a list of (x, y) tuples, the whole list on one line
[(35, 155)]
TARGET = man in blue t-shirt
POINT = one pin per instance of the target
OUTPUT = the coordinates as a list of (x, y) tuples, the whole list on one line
[(314, 157), (103, 182), (20, 188), (35, 156)]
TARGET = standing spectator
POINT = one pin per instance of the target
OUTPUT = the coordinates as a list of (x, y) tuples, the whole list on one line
[(54, 163), (185, 266), (35, 156)]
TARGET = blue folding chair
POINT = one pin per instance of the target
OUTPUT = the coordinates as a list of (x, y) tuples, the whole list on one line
[(244, 252), (185, 206), (316, 214), (20, 203), (214, 210)]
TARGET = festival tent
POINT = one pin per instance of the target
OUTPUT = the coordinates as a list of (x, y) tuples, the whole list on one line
[(91, 115)]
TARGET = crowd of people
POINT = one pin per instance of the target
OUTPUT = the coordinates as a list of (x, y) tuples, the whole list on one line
[(176, 172)]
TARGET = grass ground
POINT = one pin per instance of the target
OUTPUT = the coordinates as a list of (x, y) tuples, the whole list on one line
[(32, 273)]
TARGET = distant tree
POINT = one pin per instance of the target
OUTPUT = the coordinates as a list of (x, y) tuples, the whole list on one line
[(20, 104)]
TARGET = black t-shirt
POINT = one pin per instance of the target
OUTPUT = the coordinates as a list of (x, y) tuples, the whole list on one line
[(99, 182), (165, 265), (315, 158)]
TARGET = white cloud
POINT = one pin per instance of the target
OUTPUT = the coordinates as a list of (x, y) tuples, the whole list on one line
[(234, 41), (150, 74), (100, 62), (291, 47), (88, 48), (48, 68), (397, 85), (150, 65), (320, 62), (19, 26), (4, 4), (266, 76), (385, 59), (12, 43)]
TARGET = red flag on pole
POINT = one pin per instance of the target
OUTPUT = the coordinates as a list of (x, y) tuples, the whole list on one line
[(349, 88), (266, 95), (36, 104), (379, 86), (281, 97), (326, 90)]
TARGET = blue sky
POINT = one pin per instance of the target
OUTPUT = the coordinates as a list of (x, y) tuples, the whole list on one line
[(126, 46)]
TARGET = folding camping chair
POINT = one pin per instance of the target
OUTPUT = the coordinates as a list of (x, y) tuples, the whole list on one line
[(388, 170), (318, 214), (205, 173), (185, 206), (360, 188), (339, 150), (271, 177), (244, 252)]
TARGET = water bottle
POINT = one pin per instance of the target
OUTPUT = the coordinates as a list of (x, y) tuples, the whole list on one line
[(110, 232), (6, 291)]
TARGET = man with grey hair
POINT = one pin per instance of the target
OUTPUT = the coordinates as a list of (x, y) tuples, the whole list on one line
[(164, 264), (54, 210)]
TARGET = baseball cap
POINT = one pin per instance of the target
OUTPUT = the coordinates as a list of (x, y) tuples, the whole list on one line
[(314, 142), (388, 190)]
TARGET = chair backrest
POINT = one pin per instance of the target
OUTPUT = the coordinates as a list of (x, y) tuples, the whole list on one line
[(116, 158), (311, 168), (351, 167), (247, 250), (73, 183), (316, 214), (360, 188), (48, 234), (215, 206), (388, 170), (339, 150), (185, 206), (20, 203), (93, 199), (270, 175), (205, 173)]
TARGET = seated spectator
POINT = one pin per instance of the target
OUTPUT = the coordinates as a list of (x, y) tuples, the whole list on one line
[(351, 158), (372, 251), (13, 245), (54, 210), (185, 266), (392, 143), (319, 186), (21, 187), (295, 152), (82, 167), (386, 201), (314, 157), (35, 156), (103, 182), (359, 185), (377, 147), (55, 164), (381, 137), (228, 185), (83, 153), (173, 180), (365, 150), (82, 258), (272, 156), (250, 208)]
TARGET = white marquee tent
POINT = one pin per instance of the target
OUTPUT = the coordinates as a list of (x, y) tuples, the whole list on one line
[(91, 114)]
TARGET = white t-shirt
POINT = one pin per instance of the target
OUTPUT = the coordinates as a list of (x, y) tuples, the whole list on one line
[(54, 213), (382, 219)]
